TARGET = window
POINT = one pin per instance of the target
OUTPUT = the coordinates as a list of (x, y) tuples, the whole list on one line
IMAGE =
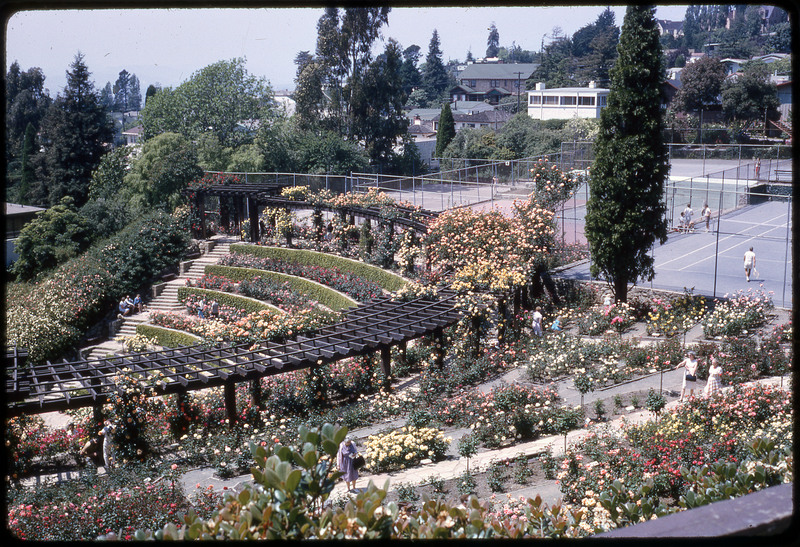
[(536, 99), (602, 100), (549, 99), (586, 101), (493, 83), (472, 83), (567, 101)]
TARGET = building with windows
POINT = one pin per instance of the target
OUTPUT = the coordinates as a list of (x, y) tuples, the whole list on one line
[(491, 81), (562, 103)]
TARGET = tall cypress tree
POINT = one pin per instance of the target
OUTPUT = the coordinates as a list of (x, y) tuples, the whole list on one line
[(447, 130), (625, 213)]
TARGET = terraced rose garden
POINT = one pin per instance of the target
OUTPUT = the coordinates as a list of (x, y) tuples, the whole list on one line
[(609, 479)]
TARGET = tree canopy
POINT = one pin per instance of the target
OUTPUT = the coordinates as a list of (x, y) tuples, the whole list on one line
[(702, 83), (625, 214), (221, 98), (751, 96)]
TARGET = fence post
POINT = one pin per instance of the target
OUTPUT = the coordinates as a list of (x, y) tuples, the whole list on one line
[(786, 250)]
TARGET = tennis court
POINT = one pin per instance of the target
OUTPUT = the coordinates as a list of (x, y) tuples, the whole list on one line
[(713, 262)]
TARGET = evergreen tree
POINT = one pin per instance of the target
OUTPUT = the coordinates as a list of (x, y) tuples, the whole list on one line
[(122, 92), (625, 214), (151, 90), (412, 79), (135, 94), (447, 130), (107, 97), (493, 42), (75, 132), (434, 75), (308, 94)]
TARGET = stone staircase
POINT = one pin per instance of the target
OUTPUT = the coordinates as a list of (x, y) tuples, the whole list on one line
[(166, 299)]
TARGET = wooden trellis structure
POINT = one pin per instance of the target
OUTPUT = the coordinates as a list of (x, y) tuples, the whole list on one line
[(370, 327)]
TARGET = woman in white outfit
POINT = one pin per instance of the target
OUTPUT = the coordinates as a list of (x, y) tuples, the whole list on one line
[(714, 374)]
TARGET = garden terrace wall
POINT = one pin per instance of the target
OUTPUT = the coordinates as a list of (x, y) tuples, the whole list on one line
[(387, 280), (169, 338), (250, 305), (326, 296)]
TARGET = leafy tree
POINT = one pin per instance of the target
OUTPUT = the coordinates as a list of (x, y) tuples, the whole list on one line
[(221, 98), (165, 167), (151, 90), (751, 95), (780, 39), (702, 83), (377, 107), (625, 214), (211, 155), (26, 102), (54, 236), (412, 79), (596, 57), (308, 94), (447, 130), (108, 180), (555, 69), (493, 42), (434, 75), (74, 131)]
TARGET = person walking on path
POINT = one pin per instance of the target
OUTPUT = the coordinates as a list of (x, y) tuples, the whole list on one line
[(714, 372), (749, 263), (537, 321), (689, 375), (344, 459), (705, 214)]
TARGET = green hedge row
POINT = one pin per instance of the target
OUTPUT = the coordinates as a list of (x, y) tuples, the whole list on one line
[(169, 338), (324, 295), (249, 305), (387, 280)]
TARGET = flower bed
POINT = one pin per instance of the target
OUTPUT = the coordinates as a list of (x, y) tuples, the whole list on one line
[(740, 313), (351, 285), (403, 448)]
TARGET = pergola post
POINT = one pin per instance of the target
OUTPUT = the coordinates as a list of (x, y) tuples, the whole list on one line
[(502, 312), (255, 393), (230, 401), (252, 208), (386, 365), (224, 213)]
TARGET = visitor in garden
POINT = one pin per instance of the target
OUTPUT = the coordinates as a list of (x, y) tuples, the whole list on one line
[(329, 231), (687, 217), (124, 308), (556, 326), (705, 214), (689, 375), (537, 321), (749, 263), (201, 308), (108, 444), (138, 305), (607, 301), (344, 459), (214, 308), (714, 373)]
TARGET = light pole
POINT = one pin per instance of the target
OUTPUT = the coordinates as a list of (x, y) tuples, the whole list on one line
[(519, 91)]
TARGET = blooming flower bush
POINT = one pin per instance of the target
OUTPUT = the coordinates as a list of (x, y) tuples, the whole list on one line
[(740, 313), (405, 447), (668, 317)]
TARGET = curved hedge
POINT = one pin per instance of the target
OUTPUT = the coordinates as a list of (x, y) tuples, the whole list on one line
[(326, 296), (169, 338), (387, 280), (249, 305)]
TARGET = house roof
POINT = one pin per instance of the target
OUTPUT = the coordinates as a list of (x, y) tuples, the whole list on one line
[(471, 106), (498, 71), (134, 131), (489, 116), (423, 113), (17, 209)]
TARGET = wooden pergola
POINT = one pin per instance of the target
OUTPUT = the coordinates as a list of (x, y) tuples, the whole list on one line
[(375, 326)]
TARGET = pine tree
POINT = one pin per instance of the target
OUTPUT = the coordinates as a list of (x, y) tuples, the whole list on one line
[(434, 75), (75, 132), (447, 130), (625, 213)]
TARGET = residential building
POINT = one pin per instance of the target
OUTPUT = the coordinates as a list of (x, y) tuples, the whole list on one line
[(492, 81), (133, 135), (17, 216), (566, 102), (675, 28)]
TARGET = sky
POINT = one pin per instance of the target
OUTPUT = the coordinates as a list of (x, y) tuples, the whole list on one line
[(166, 46)]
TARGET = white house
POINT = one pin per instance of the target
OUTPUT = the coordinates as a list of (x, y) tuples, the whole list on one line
[(564, 103)]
